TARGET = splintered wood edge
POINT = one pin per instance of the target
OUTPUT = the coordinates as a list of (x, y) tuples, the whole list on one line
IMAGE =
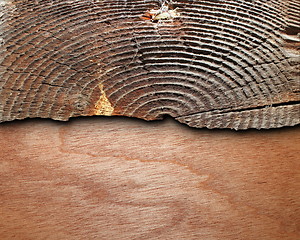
[(229, 65)]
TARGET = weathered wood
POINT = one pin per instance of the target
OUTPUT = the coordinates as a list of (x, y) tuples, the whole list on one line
[(219, 64), (116, 179)]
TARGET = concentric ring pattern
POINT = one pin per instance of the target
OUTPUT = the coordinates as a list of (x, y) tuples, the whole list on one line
[(219, 64)]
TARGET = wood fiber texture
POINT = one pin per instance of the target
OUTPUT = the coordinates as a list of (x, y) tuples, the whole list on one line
[(116, 179), (219, 64)]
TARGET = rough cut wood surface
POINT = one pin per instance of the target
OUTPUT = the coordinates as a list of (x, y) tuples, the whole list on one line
[(218, 64), (122, 179)]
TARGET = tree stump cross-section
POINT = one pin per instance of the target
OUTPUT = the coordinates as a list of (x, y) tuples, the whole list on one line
[(214, 64)]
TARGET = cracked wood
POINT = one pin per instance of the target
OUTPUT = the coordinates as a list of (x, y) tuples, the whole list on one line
[(218, 64)]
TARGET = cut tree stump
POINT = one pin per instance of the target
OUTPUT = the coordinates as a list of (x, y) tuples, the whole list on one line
[(216, 64)]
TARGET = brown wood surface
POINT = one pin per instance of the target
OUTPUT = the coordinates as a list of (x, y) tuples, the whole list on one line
[(218, 64), (111, 178)]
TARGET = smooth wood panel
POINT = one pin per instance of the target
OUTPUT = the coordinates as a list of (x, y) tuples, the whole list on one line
[(116, 178)]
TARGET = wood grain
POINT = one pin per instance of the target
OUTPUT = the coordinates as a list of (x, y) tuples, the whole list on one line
[(219, 64), (114, 178)]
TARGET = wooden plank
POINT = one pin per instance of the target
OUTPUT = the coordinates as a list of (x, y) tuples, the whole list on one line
[(114, 178), (215, 64)]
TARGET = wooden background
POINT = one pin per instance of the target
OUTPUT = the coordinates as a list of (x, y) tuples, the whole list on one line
[(220, 64), (118, 178)]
